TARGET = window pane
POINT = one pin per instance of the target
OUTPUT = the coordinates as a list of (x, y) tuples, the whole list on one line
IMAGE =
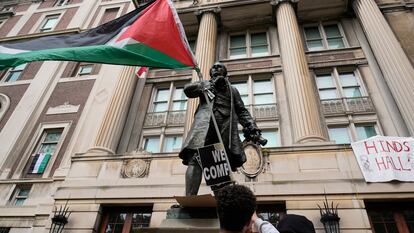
[(179, 94), (336, 43), (238, 53), (20, 67), (162, 95), (324, 81), (328, 94), (259, 39), (238, 41), (350, 92), (241, 87), (19, 201), (339, 135), (85, 69), (314, 45), (172, 144), (13, 76), (312, 33), (48, 148), (260, 51), (264, 99), (272, 138), (262, 86), (365, 131), (245, 99), (152, 145), (348, 79), (160, 107), (49, 24), (53, 137), (179, 105), (23, 192), (332, 31)]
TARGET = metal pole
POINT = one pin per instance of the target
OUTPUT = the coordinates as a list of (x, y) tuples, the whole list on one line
[(200, 78)]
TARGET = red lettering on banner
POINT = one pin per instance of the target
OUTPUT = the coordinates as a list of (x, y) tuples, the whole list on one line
[(381, 162), (406, 146), (367, 147), (391, 161), (382, 146), (404, 169)]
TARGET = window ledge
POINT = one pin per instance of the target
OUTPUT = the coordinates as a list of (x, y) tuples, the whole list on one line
[(18, 82)]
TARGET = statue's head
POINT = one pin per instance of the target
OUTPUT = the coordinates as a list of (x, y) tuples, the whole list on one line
[(218, 70)]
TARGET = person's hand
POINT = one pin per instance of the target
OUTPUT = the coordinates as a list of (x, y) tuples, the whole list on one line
[(254, 216)]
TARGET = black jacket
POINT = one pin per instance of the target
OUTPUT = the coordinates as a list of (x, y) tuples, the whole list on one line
[(233, 114)]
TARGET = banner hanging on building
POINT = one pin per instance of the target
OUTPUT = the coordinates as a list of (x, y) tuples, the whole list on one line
[(384, 159)]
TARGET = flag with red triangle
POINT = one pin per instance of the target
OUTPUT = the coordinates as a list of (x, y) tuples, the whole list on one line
[(150, 36)]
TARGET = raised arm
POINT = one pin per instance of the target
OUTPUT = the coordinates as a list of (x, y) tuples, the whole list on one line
[(195, 89)]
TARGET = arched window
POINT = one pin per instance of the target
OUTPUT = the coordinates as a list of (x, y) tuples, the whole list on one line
[(4, 104)]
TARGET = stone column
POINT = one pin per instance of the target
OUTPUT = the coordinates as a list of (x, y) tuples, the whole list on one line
[(303, 103), (205, 54), (115, 115), (395, 66)]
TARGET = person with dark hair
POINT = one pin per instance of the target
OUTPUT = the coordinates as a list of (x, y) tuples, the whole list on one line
[(292, 223), (228, 109), (236, 210)]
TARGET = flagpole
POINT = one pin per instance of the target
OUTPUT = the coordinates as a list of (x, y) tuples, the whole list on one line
[(200, 78)]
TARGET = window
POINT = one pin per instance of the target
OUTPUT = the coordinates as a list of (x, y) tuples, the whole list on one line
[(172, 144), (14, 73), (20, 195), (258, 94), (272, 137), (117, 220), (62, 2), (169, 144), (339, 134), (248, 45), (85, 69), (152, 144), (391, 217), (338, 83), (44, 150), (365, 131), (321, 37), (351, 132), (49, 23), (172, 98)]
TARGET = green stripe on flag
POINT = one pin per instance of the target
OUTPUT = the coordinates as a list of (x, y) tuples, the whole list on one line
[(133, 54), (43, 164)]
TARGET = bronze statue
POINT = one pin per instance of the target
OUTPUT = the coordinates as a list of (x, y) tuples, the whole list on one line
[(228, 109)]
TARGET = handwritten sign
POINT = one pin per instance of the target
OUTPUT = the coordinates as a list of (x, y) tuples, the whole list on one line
[(214, 163), (384, 159)]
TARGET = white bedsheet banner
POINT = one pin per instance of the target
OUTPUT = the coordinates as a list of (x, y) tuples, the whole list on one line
[(384, 159)]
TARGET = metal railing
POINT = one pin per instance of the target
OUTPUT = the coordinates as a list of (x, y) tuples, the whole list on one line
[(170, 118), (347, 105)]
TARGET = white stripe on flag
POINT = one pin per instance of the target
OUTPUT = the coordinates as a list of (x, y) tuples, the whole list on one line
[(38, 162)]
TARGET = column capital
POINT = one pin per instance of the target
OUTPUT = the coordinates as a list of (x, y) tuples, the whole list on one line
[(216, 11), (277, 2)]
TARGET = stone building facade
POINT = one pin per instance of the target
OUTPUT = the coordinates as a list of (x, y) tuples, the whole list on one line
[(316, 75)]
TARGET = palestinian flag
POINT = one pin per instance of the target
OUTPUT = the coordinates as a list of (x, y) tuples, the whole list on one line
[(39, 163), (150, 36)]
